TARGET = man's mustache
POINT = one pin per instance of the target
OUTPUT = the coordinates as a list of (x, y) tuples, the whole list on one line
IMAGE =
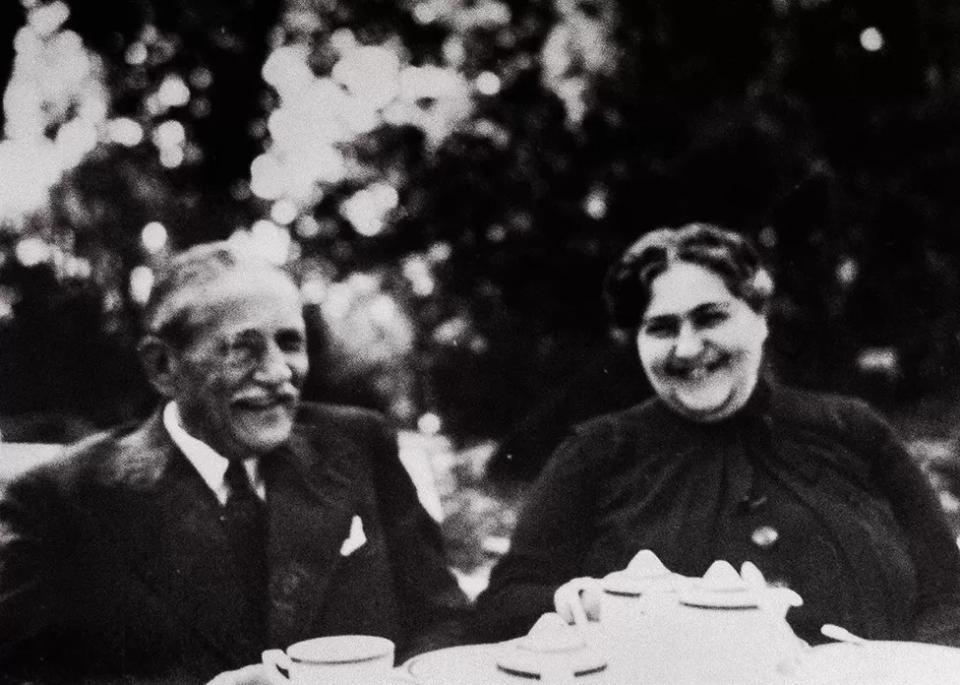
[(286, 393)]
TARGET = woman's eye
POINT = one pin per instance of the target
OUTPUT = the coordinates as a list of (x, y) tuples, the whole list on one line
[(660, 329), (710, 319)]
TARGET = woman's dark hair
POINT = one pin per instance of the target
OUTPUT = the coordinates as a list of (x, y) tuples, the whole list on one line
[(726, 253)]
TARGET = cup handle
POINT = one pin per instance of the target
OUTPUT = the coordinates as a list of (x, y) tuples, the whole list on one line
[(277, 663)]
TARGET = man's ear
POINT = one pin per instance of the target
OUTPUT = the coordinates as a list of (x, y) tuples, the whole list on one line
[(156, 357)]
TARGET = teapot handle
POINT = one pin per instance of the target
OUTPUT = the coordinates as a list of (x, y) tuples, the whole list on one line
[(276, 662)]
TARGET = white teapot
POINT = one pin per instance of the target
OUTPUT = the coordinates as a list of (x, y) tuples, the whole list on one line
[(726, 629), (636, 603)]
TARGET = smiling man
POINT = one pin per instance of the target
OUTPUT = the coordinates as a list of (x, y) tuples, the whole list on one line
[(235, 519)]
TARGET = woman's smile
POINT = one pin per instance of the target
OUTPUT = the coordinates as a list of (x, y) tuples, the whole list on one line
[(700, 346), (698, 370)]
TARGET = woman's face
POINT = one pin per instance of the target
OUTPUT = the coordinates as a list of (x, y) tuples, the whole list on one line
[(700, 345)]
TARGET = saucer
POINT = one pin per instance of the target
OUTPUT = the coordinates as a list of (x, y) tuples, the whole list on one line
[(878, 663), (473, 665)]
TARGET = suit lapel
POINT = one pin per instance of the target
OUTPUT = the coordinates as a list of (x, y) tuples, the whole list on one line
[(166, 516), (310, 490), (168, 520)]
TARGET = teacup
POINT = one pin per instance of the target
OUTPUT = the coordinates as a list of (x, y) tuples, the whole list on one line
[(335, 660)]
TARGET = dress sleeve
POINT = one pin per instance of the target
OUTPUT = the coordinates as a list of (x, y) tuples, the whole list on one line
[(934, 551), (436, 612), (554, 532)]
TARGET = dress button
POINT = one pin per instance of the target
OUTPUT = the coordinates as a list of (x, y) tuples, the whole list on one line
[(765, 536)]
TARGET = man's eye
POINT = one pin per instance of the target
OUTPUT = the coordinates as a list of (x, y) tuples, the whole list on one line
[(245, 348), (291, 342)]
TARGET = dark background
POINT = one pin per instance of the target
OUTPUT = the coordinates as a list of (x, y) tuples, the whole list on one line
[(771, 117)]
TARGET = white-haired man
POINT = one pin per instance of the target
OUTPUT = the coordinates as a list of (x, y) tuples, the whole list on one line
[(236, 518)]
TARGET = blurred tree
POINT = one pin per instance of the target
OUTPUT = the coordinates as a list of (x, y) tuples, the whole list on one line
[(11, 18), (450, 179)]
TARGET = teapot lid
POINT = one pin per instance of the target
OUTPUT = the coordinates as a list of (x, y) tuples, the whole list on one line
[(722, 588), (550, 641), (644, 573), (632, 585), (551, 634)]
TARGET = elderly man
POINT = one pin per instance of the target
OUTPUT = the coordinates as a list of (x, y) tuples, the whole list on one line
[(236, 518)]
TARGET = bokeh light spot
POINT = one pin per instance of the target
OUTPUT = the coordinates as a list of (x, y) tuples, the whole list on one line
[(173, 92), (136, 54), (169, 134), (141, 283), (871, 39), (429, 423), (33, 251), (124, 131), (488, 83), (283, 212), (847, 271), (308, 227), (595, 204), (154, 236)]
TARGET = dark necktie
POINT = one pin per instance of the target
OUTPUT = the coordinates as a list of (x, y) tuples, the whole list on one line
[(245, 522)]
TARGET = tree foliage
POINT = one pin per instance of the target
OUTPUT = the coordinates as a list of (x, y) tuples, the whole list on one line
[(450, 179)]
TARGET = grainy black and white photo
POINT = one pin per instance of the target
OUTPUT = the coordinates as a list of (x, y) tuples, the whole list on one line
[(479, 342)]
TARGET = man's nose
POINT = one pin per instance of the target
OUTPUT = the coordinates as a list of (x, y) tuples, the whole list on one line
[(689, 343), (274, 368)]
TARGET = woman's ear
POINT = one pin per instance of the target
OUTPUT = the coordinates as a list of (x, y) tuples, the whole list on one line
[(763, 328), (156, 359)]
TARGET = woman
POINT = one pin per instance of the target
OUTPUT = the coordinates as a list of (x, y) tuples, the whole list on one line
[(814, 489)]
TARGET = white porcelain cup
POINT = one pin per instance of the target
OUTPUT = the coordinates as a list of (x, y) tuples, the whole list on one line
[(335, 660)]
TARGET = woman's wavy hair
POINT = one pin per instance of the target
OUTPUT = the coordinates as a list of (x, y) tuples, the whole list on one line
[(726, 253)]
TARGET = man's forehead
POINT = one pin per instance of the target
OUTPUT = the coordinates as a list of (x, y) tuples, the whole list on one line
[(241, 298), (239, 283)]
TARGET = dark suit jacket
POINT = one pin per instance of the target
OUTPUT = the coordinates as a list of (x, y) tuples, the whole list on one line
[(108, 557)]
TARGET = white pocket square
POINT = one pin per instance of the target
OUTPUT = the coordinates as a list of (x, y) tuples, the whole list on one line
[(355, 540)]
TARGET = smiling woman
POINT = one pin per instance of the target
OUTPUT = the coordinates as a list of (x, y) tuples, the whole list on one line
[(813, 489), (700, 346)]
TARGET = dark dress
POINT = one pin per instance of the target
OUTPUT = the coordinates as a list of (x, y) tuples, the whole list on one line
[(815, 489)]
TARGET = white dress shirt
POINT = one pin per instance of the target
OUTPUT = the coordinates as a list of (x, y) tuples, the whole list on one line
[(211, 465)]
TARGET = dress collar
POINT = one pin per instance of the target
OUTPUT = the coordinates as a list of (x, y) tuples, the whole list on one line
[(759, 403)]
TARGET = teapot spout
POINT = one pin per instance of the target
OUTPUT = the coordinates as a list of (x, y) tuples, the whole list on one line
[(788, 596), (781, 599)]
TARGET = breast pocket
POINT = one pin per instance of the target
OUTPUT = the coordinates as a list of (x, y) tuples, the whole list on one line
[(363, 597)]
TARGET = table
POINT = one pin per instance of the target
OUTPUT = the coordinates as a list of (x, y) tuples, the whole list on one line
[(876, 663)]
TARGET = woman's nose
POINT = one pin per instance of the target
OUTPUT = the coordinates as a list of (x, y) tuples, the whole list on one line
[(689, 343)]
